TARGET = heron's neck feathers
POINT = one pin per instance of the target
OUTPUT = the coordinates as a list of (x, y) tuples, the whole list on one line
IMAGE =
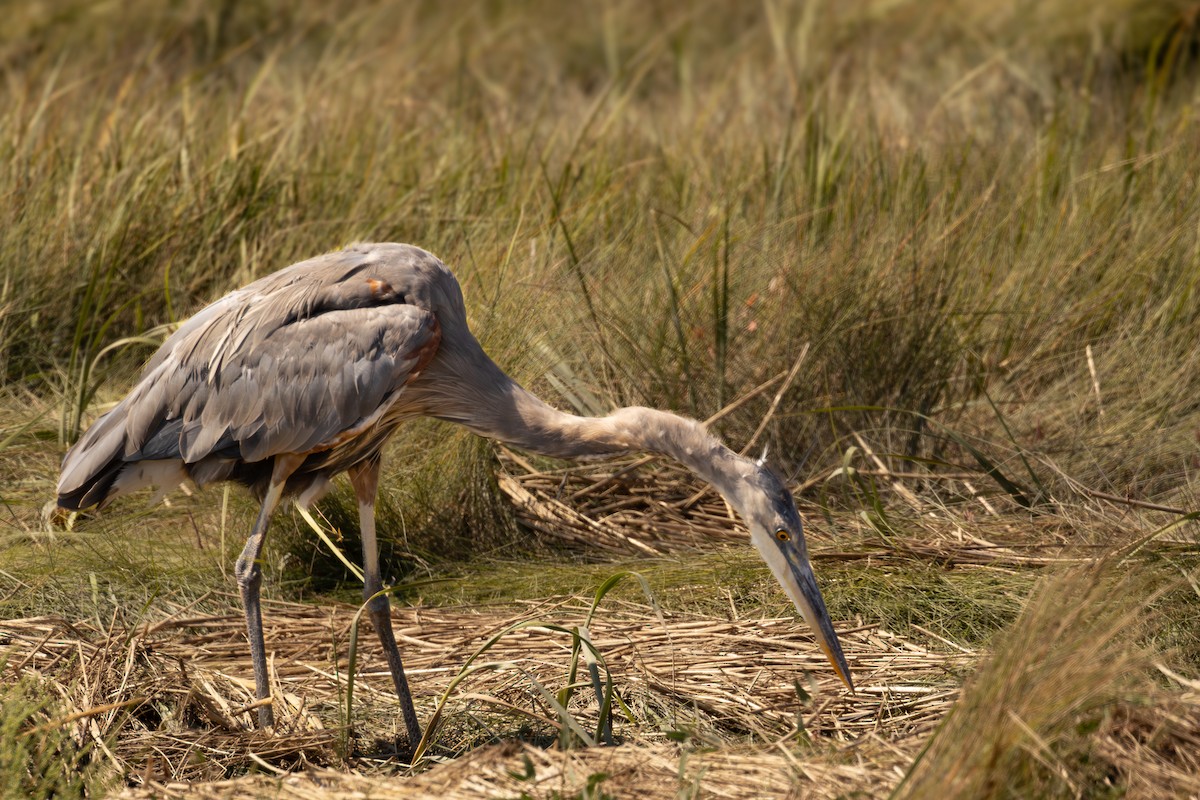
[(465, 386), (540, 428)]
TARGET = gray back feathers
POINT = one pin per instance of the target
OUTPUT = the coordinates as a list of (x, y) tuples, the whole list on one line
[(286, 364)]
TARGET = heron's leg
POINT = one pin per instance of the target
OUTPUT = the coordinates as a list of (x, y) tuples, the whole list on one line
[(249, 578), (365, 478)]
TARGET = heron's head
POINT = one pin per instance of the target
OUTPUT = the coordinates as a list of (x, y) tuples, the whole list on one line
[(776, 530)]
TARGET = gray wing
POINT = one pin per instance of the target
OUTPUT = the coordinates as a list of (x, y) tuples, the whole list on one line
[(285, 364), (292, 391)]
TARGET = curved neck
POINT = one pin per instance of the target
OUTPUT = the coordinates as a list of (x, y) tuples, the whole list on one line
[(494, 405), (547, 431)]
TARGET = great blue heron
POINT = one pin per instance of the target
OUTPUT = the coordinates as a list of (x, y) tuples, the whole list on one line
[(304, 374)]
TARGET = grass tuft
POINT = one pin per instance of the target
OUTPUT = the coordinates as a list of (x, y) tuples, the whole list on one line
[(1025, 723), (39, 757)]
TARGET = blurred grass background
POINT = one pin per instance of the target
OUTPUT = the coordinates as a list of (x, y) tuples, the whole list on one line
[(976, 222)]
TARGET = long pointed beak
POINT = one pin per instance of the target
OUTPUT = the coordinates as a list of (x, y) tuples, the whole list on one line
[(801, 586), (792, 570)]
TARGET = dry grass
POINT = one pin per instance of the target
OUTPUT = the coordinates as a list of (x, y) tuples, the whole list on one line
[(1067, 703), (723, 707), (521, 770), (712, 704), (176, 687), (647, 507), (175, 696)]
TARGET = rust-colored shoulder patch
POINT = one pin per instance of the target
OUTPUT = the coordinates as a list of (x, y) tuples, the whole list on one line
[(380, 288)]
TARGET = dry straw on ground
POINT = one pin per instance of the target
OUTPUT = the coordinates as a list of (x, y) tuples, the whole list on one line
[(168, 702), (176, 692), (522, 770)]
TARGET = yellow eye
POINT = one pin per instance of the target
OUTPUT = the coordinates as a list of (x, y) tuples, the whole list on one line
[(783, 536)]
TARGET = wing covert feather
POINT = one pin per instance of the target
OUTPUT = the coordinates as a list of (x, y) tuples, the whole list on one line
[(293, 389)]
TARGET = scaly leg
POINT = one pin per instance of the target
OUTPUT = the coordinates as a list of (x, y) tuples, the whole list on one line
[(249, 579), (365, 478)]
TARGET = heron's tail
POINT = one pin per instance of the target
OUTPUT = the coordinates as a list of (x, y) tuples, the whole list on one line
[(92, 465)]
